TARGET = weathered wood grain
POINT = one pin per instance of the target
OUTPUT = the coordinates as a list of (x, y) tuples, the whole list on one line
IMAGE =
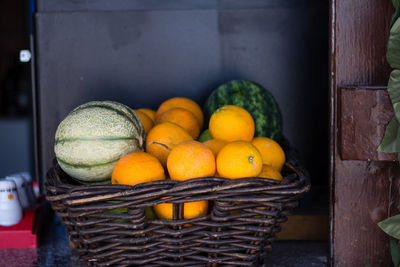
[(364, 114), (361, 191)]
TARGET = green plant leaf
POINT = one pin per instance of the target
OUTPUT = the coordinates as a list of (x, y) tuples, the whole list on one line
[(396, 14), (391, 226), (393, 89), (368, 264), (390, 141), (393, 51), (395, 252)]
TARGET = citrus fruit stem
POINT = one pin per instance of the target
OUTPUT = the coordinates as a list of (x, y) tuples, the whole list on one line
[(251, 159)]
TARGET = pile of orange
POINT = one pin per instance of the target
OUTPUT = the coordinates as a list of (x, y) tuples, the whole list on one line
[(172, 151)]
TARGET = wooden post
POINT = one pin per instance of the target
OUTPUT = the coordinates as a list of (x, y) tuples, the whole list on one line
[(361, 191)]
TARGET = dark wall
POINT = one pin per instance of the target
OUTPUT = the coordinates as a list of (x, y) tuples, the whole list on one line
[(117, 5), (14, 36)]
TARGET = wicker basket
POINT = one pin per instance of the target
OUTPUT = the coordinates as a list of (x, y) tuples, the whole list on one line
[(244, 216)]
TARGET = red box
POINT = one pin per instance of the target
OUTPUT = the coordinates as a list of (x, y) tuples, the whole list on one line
[(23, 234)]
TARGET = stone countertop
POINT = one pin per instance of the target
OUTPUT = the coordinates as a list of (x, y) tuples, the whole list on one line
[(55, 251)]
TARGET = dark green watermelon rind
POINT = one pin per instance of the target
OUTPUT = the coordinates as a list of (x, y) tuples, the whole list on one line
[(255, 99)]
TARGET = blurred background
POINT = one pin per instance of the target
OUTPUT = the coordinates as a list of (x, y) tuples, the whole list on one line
[(16, 131)]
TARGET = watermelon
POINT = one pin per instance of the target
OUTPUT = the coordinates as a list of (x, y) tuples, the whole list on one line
[(204, 136), (94, 136), (255, 99)]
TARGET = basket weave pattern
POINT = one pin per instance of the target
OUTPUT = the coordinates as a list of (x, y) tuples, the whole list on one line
[(244, 216)]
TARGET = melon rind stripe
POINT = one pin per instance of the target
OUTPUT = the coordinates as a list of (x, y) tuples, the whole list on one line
[(101, 138), (119, 112), (120, 109), (125, 147), (83, 166), (101, 105), (115, 106), (110, 105)]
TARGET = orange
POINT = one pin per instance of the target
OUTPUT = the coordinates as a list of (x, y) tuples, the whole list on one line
[(182, 102), (239, 159), (190, 210), (146, 121), (269, 172), (190, 159), (183, 118), (215, 145), (137, 167), (231, 123), (168, 134), (271, 152), (149, 112)]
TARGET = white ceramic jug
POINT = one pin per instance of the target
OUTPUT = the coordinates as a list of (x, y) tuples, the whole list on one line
[(10, 207)]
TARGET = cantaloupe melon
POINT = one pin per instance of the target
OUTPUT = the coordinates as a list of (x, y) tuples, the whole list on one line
[(94, 136)]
